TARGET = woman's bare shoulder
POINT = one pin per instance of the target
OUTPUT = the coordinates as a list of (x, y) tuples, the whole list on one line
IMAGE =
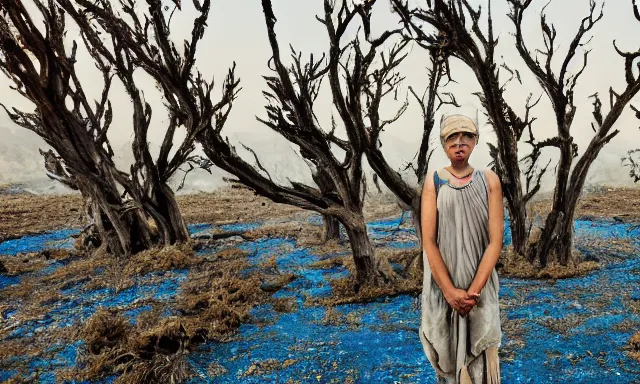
[(493, 180), (429, 183)]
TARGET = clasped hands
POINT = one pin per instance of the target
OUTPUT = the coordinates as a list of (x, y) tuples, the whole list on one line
[(462, 301)]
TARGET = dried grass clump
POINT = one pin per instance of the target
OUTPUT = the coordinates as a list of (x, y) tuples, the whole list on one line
[(83, 266), (161, 259), (344, 291), (104, 330), (631, 304), (513, 265), (605, 249), (334, 317), (217, 297), (330, 262), (266, 366), (328, 247), (348, 290), (557, 271), (285, 305), (399, 256), (136, 355), (31, 262), (634, 344), (215, 300), (215, 369), (229, 254), (565, 324)]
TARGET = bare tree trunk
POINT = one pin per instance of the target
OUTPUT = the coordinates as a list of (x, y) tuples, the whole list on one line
[(331, 228), (517, 224), (327, 188), (416, 218), (119, 229), (169, 215), (363, 253)]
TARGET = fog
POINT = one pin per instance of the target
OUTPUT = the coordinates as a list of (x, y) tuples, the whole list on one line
[(237, 33)]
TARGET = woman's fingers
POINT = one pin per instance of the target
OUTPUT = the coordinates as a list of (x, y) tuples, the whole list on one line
[(474, 295)]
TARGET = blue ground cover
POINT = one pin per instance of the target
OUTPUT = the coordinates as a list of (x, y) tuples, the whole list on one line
[(375, 342)]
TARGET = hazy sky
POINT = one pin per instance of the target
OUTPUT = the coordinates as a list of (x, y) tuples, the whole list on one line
[(237, 33)]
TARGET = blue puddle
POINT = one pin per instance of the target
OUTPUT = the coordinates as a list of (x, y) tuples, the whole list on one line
[(35, 243), (374, 342)]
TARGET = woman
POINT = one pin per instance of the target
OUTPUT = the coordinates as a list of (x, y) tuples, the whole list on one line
[(462, 229)]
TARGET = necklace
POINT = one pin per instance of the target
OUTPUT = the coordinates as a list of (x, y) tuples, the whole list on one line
[(461, 177)]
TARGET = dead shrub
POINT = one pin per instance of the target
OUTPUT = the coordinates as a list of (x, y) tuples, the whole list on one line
[(137, 355), (104, 330), (218, 296), (161, 369)]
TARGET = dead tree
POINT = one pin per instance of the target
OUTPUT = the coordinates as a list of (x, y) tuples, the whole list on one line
[(131, 211), (452, 35), (290, 112), (386, 80), (460, 23), (291, 95)]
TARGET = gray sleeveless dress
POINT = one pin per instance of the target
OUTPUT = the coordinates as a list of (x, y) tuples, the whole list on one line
[(462, 350)]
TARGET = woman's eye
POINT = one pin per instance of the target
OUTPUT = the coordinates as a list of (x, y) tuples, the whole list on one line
[(468, 135)]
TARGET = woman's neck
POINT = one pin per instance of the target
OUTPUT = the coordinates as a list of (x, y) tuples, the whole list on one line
[(460, 168)]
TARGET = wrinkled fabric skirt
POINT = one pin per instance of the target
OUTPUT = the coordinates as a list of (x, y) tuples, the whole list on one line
[(484, 369)]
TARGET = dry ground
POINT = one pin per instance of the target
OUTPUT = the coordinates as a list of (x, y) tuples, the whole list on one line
[(25, 213), (622, 203)]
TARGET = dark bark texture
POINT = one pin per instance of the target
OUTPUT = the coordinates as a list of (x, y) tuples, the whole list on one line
[(130, 211), (292, 90), (464, 39)]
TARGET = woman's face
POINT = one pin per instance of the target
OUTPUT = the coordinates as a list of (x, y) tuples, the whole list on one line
[(459, 146)]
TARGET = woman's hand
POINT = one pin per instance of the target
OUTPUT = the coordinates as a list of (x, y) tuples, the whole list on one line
[(473, 296), (461, 301)]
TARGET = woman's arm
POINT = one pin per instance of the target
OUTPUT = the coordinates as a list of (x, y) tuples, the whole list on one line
[(457, 298), (496, 233)]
